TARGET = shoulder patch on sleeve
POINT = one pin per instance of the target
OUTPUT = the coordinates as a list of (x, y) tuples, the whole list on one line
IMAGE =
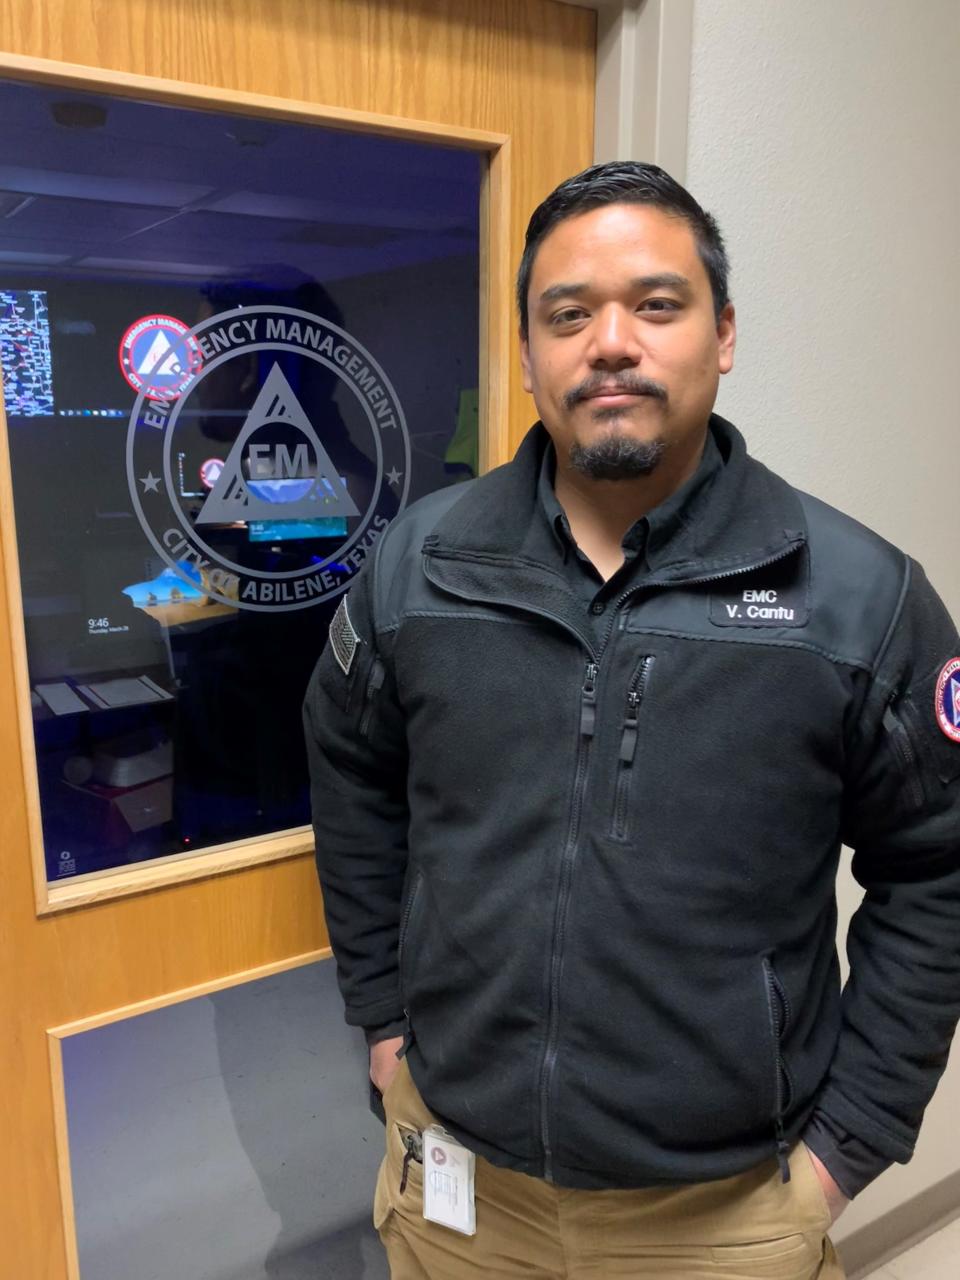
[(947, 699), (343, 638)]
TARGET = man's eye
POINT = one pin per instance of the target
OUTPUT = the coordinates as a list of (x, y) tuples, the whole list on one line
[(567, 316), (659, 304)]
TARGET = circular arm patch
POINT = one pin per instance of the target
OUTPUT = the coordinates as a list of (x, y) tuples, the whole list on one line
[(947, 700)]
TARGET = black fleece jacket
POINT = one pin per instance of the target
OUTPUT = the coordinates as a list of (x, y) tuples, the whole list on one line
[(594, 872)]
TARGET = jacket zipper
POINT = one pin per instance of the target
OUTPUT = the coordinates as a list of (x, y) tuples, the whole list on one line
[(587, 723), (524, 607), (778, 1011), (402, 937), (588, 711), (374, 682), (905, 753), (695, 582), (730, 573), (628, 745)]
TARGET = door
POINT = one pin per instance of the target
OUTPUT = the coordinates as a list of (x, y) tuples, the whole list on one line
[(514, 83)]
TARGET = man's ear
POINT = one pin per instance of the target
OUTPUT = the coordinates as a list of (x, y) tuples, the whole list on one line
[(525, 362), (727, 337)]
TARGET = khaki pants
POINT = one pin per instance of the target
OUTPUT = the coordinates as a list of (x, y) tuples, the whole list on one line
[(749, 1227)]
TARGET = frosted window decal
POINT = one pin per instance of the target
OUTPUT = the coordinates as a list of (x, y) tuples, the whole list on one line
[(232, 352)]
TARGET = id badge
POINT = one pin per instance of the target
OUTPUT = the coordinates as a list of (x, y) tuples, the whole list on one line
[(448, 1172)]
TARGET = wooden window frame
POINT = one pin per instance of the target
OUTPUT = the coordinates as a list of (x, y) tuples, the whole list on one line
[(495, 343)]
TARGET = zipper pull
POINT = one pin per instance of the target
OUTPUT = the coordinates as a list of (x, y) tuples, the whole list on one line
[(407, 1038), (588, 701), (377, 673), (374, 683), (628, 739), (783, 1150)]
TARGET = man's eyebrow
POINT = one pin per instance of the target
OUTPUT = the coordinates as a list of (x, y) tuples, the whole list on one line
[(662, 280), (563, 291)]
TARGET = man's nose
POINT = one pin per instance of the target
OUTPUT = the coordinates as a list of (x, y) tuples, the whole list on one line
[(614, 340)]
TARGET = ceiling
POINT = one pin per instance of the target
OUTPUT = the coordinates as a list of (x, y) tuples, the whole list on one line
[(97, 185)]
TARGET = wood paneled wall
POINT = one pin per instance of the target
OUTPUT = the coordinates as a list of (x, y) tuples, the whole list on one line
[(519, 67)]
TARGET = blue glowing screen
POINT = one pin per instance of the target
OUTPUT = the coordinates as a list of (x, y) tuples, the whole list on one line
[(25, 352)]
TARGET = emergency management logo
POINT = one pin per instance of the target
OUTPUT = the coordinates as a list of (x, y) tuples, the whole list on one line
[(947, 700), (312, 450), (154, 359)]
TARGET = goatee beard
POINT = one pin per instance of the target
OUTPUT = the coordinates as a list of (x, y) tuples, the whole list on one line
[(617, 457)]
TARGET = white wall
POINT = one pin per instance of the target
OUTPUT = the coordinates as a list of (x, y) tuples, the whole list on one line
[(824, 137)]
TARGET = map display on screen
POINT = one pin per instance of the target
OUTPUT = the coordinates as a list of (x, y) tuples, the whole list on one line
[(25, 353)]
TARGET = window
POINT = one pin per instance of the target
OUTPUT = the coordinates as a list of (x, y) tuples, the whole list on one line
[(233, 349)]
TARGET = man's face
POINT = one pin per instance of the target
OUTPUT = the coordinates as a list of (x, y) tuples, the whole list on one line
[(624, 348)]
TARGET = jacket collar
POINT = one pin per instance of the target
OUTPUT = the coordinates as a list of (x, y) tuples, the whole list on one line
[(494, 544)]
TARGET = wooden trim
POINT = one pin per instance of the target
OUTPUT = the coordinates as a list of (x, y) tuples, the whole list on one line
[(198, 96), (56, 1035), (177, 868), (21, 671), (496, 310), (167, 998), (61, 1130), (494, 417)]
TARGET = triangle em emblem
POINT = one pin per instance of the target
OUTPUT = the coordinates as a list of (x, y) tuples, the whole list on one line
[(278, 482)]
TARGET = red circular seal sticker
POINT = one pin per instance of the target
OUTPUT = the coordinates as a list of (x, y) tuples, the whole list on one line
[(211, 471), (155, 358), (947, 700)]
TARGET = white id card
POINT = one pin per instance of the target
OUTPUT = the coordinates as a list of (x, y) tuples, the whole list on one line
[(448, 1181)]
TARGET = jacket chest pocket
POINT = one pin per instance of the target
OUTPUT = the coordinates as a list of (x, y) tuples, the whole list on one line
[(351, 677), (928, 761), (627, 761)]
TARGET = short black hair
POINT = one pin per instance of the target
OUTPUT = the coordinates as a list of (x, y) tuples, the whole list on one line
[(625, 182)]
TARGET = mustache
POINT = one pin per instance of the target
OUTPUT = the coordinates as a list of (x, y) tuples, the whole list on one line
[(632, 384)]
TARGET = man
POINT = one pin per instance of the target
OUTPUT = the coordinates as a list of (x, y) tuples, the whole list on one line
[(585, 743)]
